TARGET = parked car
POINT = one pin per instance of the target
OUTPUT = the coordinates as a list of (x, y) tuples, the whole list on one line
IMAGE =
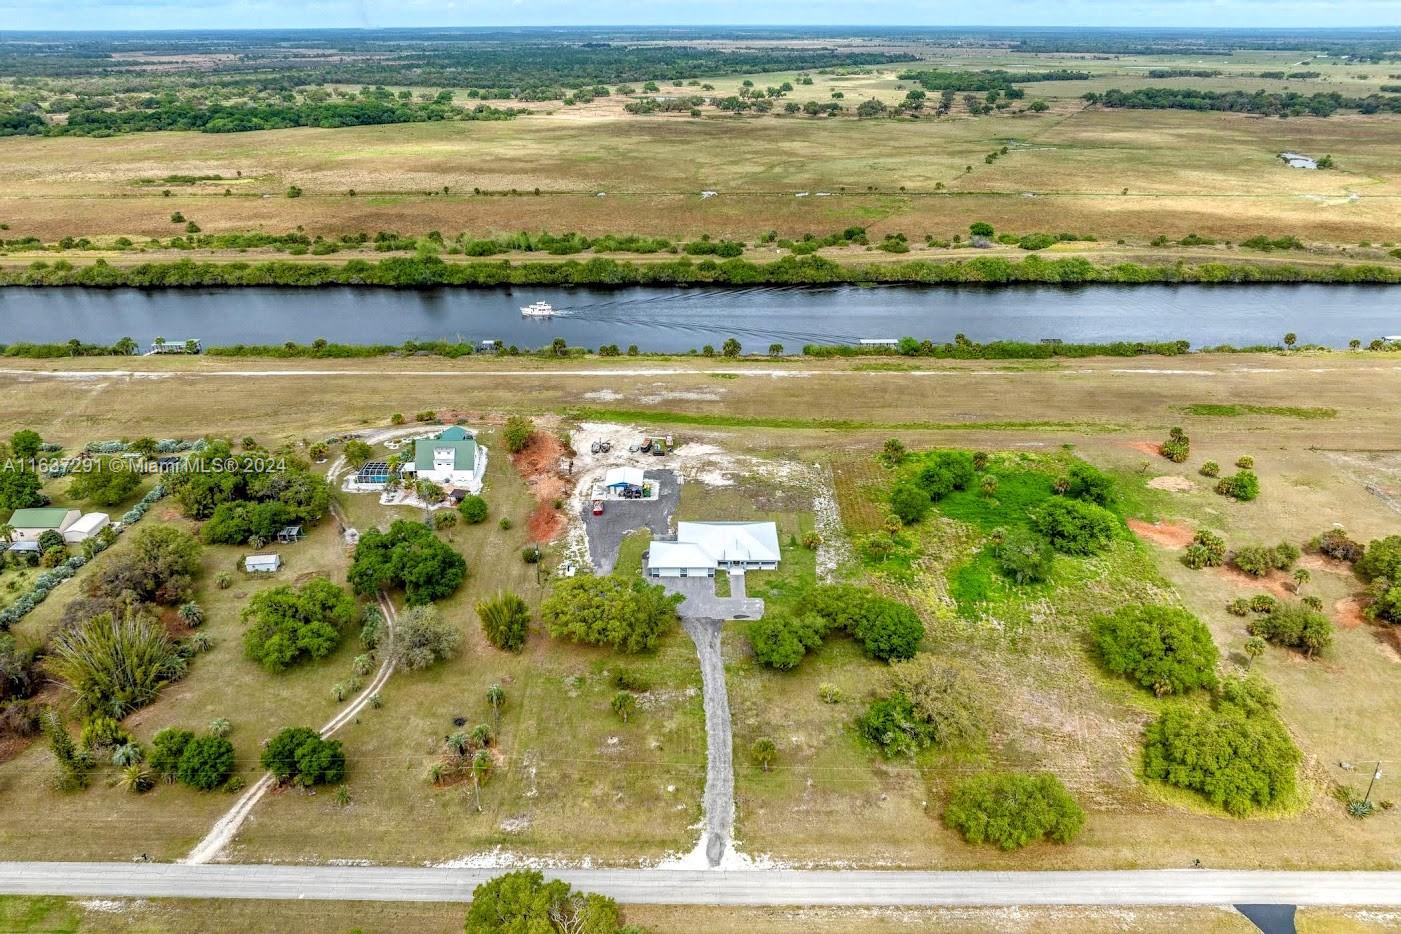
[(605, 446), (598, 507), (646, 445), (594, 448)]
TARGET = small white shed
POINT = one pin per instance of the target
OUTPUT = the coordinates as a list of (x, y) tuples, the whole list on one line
[(262, 564), (86, 527)]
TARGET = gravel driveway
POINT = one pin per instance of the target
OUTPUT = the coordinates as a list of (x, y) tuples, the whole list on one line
[(719, 803), (622, 516)]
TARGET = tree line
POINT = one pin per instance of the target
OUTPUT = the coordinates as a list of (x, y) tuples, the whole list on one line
[(1269, 103), (430, 271)]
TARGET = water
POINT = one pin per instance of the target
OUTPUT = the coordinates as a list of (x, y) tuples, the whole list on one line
[(676, 319)]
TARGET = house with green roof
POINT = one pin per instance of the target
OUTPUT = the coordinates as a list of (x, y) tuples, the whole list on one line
[(29, 524), (452, 459)]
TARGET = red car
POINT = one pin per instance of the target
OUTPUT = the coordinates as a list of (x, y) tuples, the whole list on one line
[(598, 507)]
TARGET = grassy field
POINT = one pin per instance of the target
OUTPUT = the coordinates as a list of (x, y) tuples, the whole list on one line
[(558, 749), (1129, 175), (158, 916)]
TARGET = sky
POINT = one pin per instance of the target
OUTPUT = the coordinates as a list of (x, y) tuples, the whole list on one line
[(248, 14)]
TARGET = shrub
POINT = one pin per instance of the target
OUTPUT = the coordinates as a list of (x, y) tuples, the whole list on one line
[(473, 509), (1177, 448), (1245, 462), (1237, 754), (1335, 544), (1260, 560), (505, 621), (410, 556), (517, 433), (421, 638), (444, 519), (1164, 649), (300, 756), (1382, 559), (891, 724), (102, 732), (944, 698), (889, 630), (505, 524), (629, 616), (206, 762), (942, 472), (114, 666), (167, 747), (1208, 550), (780, 641), (1243, 486), (288, 626), (1090, 485), (1024, 556), (1074, 527), (1210, 469), (1296, 626), (1011, 810), (1238, 607), (909, 501), (1262, 603), (522, 901)]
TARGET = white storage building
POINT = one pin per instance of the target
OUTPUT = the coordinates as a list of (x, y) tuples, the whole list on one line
[(86, 527)]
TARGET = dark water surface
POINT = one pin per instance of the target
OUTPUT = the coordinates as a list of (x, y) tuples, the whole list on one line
[(679, 319)]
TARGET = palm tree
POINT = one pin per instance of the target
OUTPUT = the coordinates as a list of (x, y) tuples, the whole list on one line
[(495, 696), (126, 347), (623, 704), (127, 754), (1254, 648), (1301, 577), (481, 768), (764, 752), (481, 736), (136, 778), (192, 614), (459, 743), (7, 532)]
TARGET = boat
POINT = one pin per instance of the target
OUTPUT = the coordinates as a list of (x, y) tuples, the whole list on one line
[(538, 310)]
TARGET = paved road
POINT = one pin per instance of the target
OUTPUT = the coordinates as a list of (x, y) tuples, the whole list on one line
[(702, 887)]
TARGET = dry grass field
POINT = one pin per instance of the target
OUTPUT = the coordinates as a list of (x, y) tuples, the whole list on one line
[(167, 916), (604, 171), (557, 735)]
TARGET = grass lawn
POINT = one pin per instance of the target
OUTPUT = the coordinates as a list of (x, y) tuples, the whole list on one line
[(171, 915), (1053, 708)]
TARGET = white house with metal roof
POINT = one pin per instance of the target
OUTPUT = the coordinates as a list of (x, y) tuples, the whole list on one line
[(453, 459), (702, 548), (29, 524)]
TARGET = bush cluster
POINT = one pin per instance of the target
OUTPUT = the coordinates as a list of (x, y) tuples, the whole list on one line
[(201, 762), (299, 756), (629, 616), (1295, 626), (1075, 527), (1207, 550), (1260, 560), (887, 629), (1335, 544), (1011, 810), (1237, 754), (1178, 447), (1164, 649), (1243, 485)]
